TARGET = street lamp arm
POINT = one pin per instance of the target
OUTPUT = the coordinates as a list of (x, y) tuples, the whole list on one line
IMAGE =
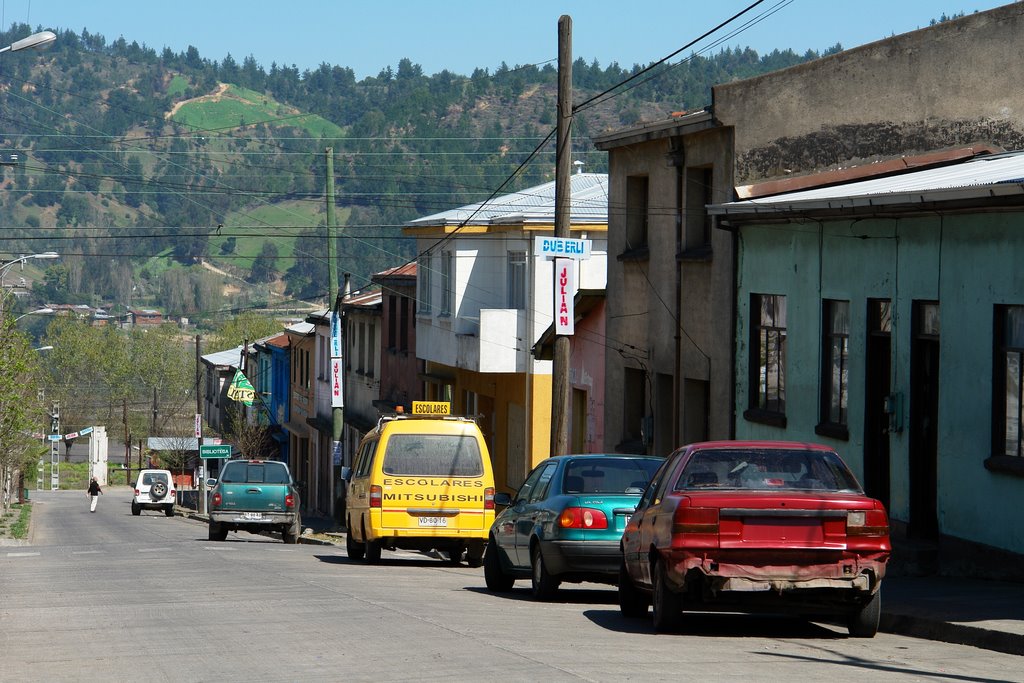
[(36, 41)]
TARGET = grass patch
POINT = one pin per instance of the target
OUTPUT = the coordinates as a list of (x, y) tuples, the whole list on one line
[(237, 105), (20, 527), (71, 475), (178, 85)]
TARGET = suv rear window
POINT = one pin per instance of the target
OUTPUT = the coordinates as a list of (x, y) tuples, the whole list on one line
[(254, 473), (765, 470), (433, 455)]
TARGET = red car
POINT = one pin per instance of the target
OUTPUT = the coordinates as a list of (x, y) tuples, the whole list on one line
[(755, 526)]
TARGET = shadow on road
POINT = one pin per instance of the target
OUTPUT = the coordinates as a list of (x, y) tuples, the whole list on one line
[(714, 625)]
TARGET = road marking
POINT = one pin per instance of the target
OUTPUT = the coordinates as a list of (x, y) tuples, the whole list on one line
[(217, 547), (86, 552), (152, 550), (21, 554)]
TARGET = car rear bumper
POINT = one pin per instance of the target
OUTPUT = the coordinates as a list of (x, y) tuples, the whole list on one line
[(595, 558), (238, 518)]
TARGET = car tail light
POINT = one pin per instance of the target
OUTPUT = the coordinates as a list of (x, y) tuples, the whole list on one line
[(867, 523), (582, 518), (489, 498), (289, 501), (215, 500), (136, 492), (376, 496), (689, 520)]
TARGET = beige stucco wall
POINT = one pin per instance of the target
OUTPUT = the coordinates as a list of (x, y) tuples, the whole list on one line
[(948, 85)]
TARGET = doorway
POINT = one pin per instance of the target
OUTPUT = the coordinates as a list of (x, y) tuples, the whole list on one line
[(877, 383), (924, 420)]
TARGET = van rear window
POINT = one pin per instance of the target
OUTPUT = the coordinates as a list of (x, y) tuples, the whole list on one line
[(433, 455)]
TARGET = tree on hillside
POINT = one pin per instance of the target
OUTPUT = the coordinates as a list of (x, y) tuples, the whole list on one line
[(264, 266)]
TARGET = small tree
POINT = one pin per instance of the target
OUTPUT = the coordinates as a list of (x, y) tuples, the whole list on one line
[(252, 438), (20, 410)]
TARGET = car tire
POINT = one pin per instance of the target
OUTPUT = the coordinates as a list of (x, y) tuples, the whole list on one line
[(373, 549), (544, 584), (668, 604), (475, 554), (169, 510), (136, 509), (863, 621), (158, 490), (454, 555), (353, 548), (633, 602), (290, 534), (494, 576), (217, 532)]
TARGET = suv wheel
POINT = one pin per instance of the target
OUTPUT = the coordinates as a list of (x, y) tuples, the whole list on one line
[(136, 509), (169, 510)]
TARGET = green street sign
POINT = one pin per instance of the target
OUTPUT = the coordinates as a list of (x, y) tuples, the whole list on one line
[(220, 451)]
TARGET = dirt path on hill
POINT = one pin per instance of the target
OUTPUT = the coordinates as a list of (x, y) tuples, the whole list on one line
[(215, 96)]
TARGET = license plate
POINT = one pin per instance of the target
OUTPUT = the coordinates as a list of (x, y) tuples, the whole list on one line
[(253, 516), (433, 521)]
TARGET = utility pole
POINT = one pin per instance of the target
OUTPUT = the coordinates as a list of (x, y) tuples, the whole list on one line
[(334, 310), (563, 162), (201, 506)]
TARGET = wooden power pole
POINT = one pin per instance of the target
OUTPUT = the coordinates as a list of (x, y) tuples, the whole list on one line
[(563, 163)]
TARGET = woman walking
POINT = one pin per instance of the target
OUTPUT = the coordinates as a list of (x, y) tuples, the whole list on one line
[(94, 492)]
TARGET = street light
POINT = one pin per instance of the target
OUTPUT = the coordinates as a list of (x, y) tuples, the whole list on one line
[(38, 311), (36, 41), (43, 348)]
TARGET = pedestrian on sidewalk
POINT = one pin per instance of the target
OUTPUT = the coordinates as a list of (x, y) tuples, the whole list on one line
[(94, 493)]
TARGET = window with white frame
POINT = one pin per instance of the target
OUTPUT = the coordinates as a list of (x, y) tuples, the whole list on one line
[(517, 279)]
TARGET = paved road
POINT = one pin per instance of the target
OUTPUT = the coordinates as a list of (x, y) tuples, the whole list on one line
[(112, 597)]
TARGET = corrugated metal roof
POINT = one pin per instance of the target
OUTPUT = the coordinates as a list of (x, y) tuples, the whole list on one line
[(302, 328), (588, 204), (988, 176), (369, 298), (231, 357)]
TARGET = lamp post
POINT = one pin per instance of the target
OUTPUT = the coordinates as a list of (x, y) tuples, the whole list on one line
[(4, 267), (38, 311), (36, 41)]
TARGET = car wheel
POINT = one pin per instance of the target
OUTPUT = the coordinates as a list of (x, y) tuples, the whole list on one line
[(494, 576), (136, 509), (290, 534), (158, 490), (454, 555), (668, 604), (373, 549), (633, 602), (544, 585), (217, 532), (169, 510), (353, 548), (863, 621)]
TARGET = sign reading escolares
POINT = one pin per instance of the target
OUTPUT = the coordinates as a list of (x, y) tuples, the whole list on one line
[(562, 247), (431, 408)]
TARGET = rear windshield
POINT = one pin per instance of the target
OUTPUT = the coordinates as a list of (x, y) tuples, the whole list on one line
[(433, 455), (150, 478), (767, 469), (239, 472), (611, 475)]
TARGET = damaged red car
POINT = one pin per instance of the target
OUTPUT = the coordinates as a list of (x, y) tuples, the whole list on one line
[(744, 526)]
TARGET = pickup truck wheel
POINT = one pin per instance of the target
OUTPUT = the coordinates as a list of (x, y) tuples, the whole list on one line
[(494, 576), (136, 509), (668, 604), (863, 621), (290, 534), (169, 510), (544, 585), (158, 490), (217, 532), (353, 548), (633, 602)]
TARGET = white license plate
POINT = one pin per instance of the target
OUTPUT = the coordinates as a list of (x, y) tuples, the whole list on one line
[(433, 521), (253, 516)]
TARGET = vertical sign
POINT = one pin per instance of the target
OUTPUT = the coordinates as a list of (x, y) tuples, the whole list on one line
[(565, 291), (199, 426), (335, 335), (337, 400)]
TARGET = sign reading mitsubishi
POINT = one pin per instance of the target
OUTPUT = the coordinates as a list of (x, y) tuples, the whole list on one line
[(562, 247)]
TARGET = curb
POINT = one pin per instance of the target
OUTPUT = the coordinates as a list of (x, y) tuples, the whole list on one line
[(947, 632)]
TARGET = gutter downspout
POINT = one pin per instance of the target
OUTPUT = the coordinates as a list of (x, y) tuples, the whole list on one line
[(678, 159)]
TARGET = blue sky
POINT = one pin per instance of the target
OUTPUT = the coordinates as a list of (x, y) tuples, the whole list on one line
[(460, 35)]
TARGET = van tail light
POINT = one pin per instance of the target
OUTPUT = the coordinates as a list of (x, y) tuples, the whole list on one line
[(289, 501), (489, 498), (582, 518), (867, 523), (376, 496), (688, 520), (215, 500)]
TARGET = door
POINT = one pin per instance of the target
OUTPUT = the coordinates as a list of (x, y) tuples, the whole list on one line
[(924, 422), (529, 510), (878, 380)]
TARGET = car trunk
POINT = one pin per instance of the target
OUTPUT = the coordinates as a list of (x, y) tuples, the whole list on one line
[(253, 497)]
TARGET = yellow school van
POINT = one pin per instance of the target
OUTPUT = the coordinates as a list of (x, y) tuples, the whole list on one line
[(421, 482)]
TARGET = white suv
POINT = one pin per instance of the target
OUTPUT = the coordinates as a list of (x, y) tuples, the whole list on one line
[(154, 490)]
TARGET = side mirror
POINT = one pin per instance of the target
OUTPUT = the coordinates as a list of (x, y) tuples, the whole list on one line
[(502, 499), (211, 482), (346, 474)]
